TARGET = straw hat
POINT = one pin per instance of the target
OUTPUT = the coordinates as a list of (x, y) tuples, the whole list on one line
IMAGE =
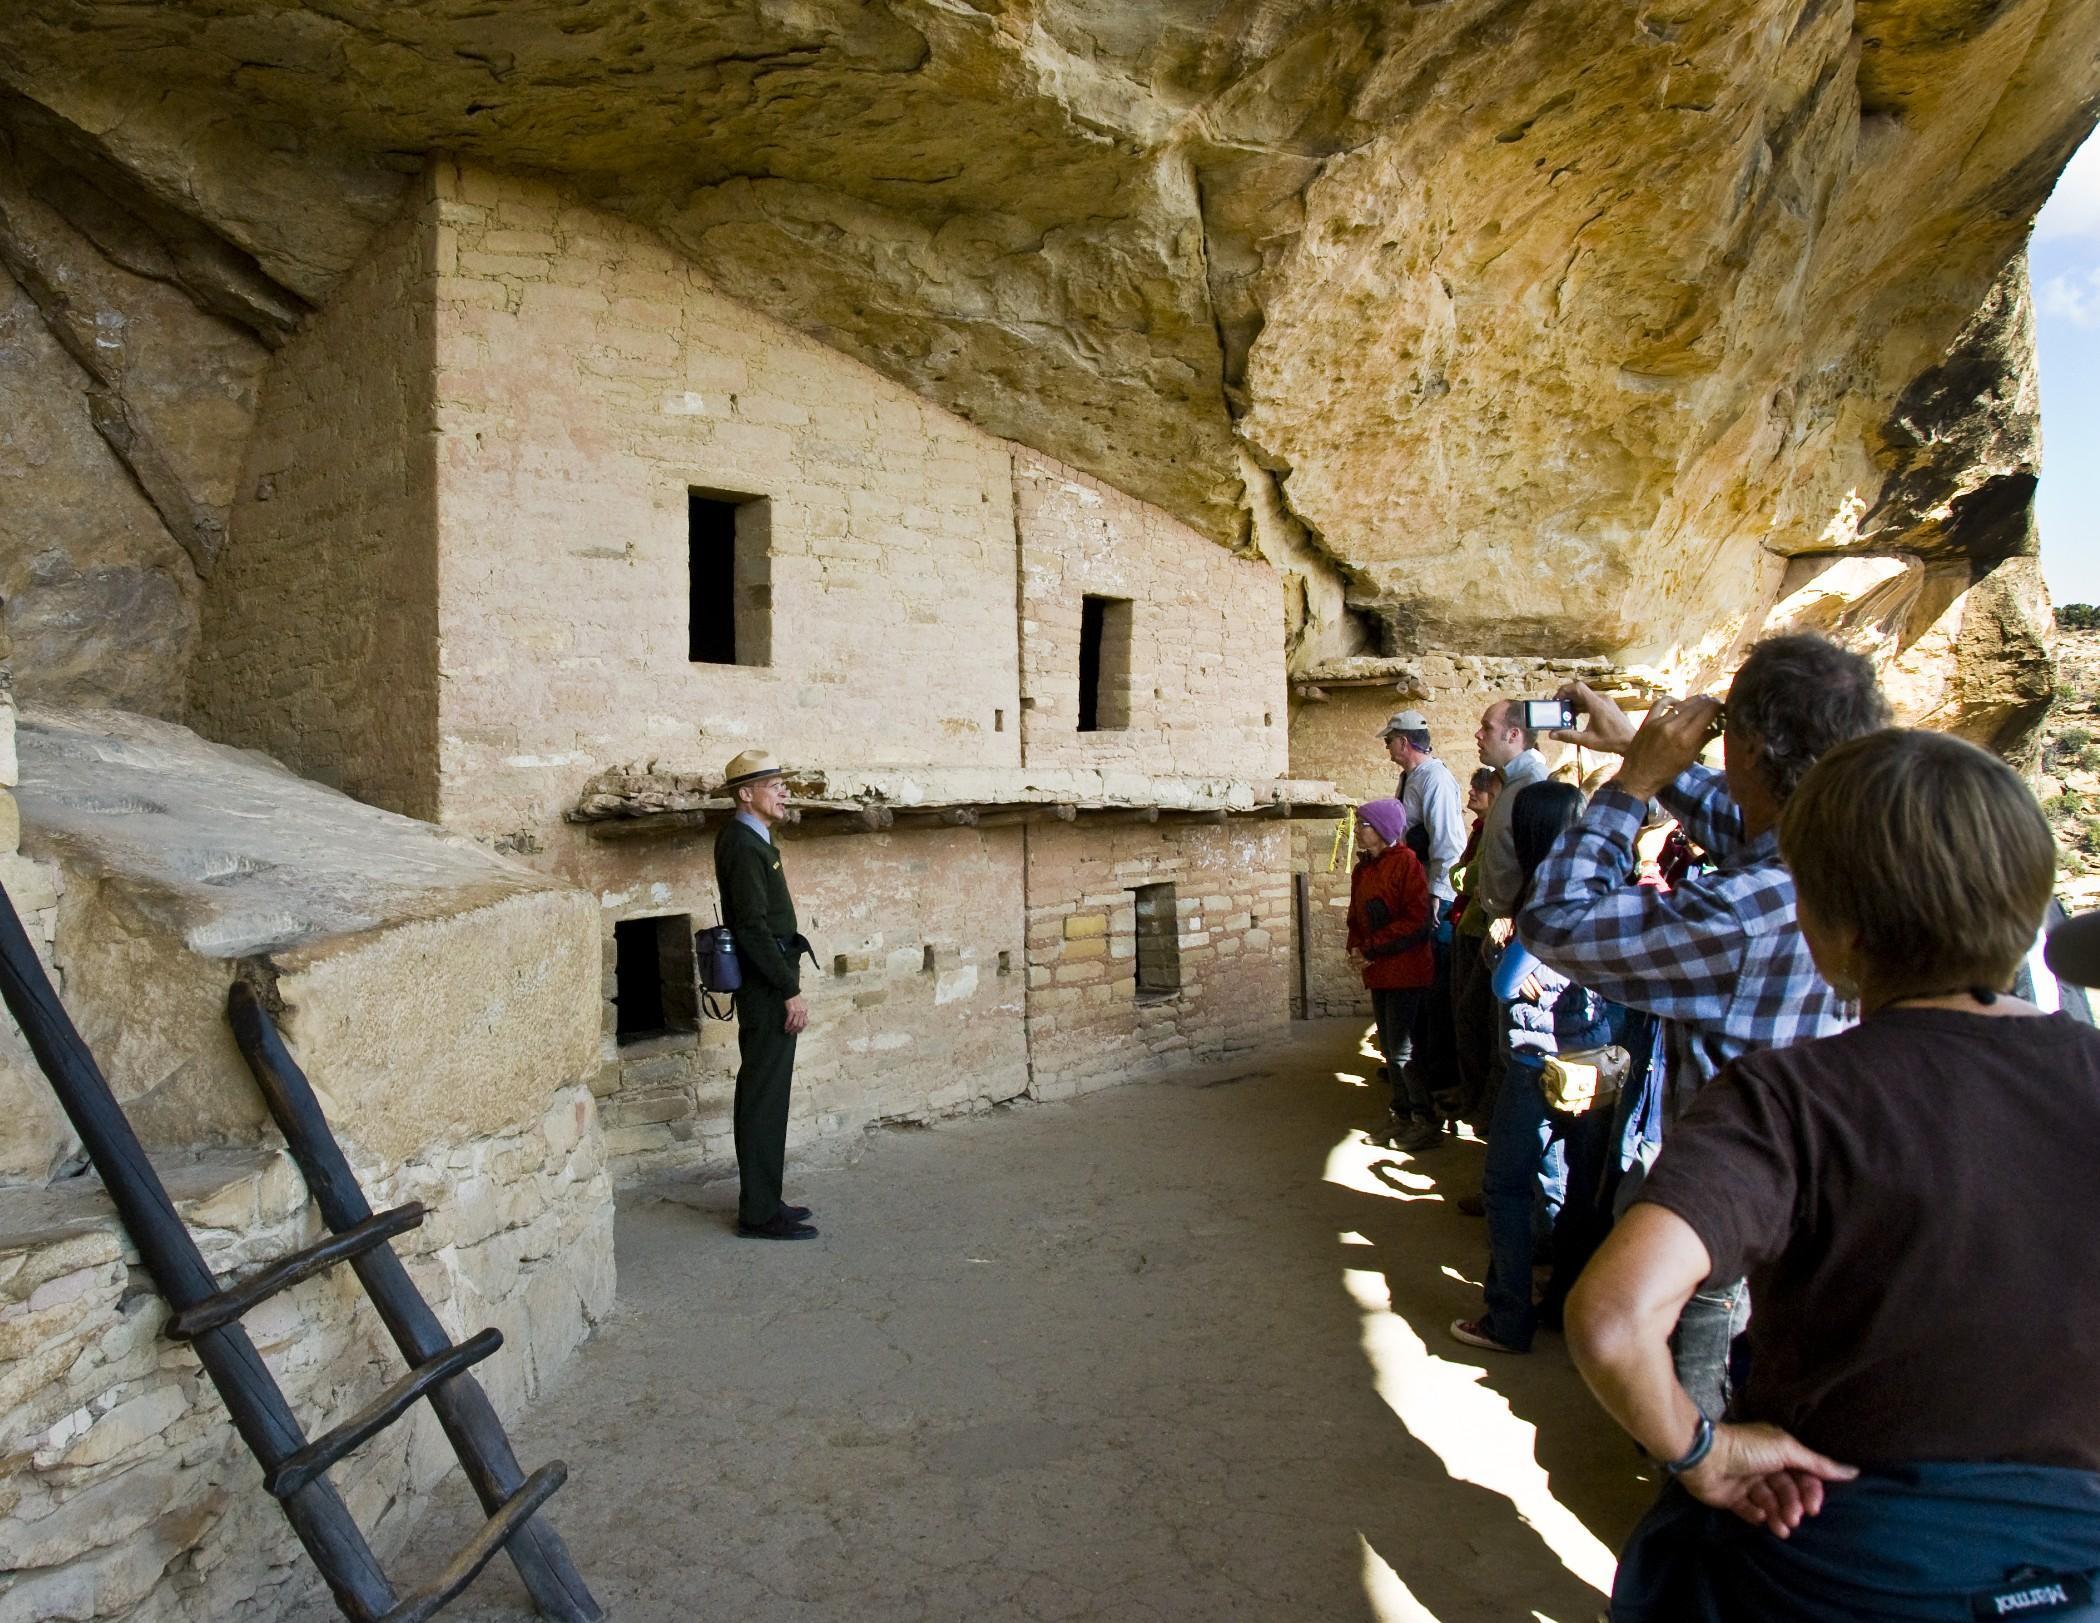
[(750, 767)]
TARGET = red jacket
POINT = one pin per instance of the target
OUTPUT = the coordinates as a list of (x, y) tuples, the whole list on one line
[(1389, 920)]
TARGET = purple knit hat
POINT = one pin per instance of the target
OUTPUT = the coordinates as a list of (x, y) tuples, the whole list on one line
[(1389, 817)]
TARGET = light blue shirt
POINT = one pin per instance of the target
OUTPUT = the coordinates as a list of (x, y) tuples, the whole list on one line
[(756, 824), (1435, 804)]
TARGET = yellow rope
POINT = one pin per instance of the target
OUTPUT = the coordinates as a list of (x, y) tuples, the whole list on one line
[(1334, 851)]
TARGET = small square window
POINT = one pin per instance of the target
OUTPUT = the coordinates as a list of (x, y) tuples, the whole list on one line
[(655, 982), (1158, 942)]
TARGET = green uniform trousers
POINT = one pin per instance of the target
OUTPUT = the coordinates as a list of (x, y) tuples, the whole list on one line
[(761, 1115)]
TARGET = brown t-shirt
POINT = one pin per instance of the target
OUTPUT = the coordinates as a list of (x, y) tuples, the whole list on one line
[(1916, 1203)]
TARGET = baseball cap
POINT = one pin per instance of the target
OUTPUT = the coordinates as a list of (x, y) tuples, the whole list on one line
[(1407, 721)]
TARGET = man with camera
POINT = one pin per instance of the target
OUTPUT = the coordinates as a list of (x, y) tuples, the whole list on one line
[(1718, 958)]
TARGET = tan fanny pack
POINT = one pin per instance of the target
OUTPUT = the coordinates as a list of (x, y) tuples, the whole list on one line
[(1584, 1079)]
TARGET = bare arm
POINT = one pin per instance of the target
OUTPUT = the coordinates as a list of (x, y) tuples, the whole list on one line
[(1619, 1319)]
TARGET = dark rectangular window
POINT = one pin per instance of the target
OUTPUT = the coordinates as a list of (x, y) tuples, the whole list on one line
[(1301, 931), (729, 548), (1104, 664), (655, 984), (1158, 942)]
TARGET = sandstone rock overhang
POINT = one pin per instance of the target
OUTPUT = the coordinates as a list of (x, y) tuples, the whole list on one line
[(1544, 328)]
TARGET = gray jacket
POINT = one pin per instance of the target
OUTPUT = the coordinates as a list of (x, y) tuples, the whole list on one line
[(1497, 877)]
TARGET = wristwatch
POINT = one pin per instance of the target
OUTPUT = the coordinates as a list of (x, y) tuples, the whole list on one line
[(1702, 1445)]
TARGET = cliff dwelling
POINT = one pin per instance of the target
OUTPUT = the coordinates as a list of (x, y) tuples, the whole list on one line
[(434, 440)]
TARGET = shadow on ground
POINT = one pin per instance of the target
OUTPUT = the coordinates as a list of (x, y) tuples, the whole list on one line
[(1174, 1351)]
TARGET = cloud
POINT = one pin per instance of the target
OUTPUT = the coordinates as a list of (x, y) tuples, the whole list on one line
[(2073, 209), (2074, 298)]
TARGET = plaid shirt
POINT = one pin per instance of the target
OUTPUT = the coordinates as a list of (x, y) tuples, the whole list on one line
[(1719, 958)]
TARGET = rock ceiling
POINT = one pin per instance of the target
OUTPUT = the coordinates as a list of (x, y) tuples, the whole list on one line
[(1552, 325)]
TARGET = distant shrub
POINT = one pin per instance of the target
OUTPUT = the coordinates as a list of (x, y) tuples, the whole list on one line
[(2073, 739), (2067, 804), (2078, 616), (2092, 835), (2089, 759)]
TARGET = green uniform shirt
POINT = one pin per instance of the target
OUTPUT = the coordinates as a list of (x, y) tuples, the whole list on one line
[(757, 908)]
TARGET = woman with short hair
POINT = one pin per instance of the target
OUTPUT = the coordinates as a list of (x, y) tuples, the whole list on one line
[(1914, 1203)]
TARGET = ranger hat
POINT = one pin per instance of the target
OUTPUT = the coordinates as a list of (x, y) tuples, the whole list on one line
[(1408, 721), (750, 767), (2073, 953)]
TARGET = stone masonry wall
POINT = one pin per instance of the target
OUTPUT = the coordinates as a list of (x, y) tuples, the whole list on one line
[(1207, 694), (916, 999), (319, 636), (588, 378), (129, 1496), (445, 1006), (1089, 1021)]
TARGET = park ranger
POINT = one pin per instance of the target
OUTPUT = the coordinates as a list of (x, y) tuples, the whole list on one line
[(771, 1012)]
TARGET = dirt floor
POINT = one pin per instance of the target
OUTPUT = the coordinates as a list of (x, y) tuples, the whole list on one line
[(1174, 1351)]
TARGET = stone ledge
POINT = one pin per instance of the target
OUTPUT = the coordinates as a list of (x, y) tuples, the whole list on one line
[(1425, 676), (627, 800)]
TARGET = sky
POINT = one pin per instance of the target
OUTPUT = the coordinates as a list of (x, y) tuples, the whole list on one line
[(2064, 262)]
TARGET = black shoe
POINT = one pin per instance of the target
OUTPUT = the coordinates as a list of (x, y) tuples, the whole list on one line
[(782, 1227), (794, 1214)]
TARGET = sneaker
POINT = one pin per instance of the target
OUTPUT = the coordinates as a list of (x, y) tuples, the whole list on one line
[(1418, 1134), (1474, 1333)]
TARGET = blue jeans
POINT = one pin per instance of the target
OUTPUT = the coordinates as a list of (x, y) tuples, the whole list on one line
[(1704, 1341), (1520, 1163)]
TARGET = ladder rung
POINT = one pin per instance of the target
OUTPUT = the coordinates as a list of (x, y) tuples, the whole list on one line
[(518, 1509), (224, 1307), (294, 1471)]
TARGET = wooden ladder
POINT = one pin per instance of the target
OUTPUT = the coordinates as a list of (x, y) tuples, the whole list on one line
[(207, 1315)]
